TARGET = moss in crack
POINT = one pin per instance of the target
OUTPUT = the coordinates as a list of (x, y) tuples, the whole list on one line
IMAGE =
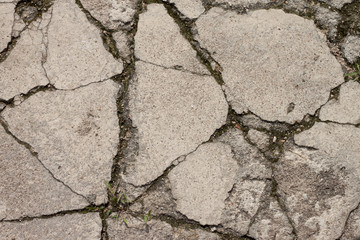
[(350, 23)]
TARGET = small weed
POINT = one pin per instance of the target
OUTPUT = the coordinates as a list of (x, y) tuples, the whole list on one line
[(354, 75), (147, 217), (125, 221)]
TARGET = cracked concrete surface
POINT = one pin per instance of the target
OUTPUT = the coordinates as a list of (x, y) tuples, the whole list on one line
[(177, 119)]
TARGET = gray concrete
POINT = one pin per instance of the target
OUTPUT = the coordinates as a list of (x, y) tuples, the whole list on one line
[(6, 22), (190, 8), (336, 3), (351, 48)]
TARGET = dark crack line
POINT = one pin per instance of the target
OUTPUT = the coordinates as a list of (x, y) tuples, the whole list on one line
[(347, 221), (33, 153)]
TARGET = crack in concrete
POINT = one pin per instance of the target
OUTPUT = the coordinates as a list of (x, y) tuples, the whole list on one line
[(347, 221), (35, 154)]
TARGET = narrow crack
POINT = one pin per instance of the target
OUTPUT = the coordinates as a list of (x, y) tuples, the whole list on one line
[(347, 221), (35, 154)]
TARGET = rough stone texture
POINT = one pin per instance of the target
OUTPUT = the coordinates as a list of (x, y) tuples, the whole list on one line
[(136, 229), (190, 8), (22, 70), (174, 112), (76, 55), (271, 223), (242, 3), (75, 134), (122, 43), (266, 67), (72, 226), (328, 19), (351, 48), (260, 139), (336, 3), (352, 229), (6, 23), (27, 188), (170, 51), (321, 187), (346, 108), (201, 183), (298, 6), (112, 14)]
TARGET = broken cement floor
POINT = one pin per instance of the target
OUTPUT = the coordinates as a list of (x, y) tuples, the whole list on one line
[(178, 119)]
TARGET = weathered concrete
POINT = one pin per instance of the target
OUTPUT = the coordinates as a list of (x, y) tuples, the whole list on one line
[(346, 108), (27, 188), (351, 48), (6, 21), (241, 3), (201, 183), (173, 112), (266, 67), (170, 51), (75, 134), (71, 226), (260, 139), (76, 55), (352, 229), (112, 14), (154, 229), (22, 70), (328, 19), (336, 3), (190, 8)]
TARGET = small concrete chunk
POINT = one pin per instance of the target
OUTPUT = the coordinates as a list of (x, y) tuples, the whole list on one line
[(346, 109), (190, 8), (336, 3), (173, 112), (6, 22), (75, 134), (27, 188), (260, 139), (276, 65), (201, 183), (351, 48), (170, 51), (112, 14), (352, 228), (136, 229), (72, 226), (76, 55), (242, 3), (321, 187), (22, 70), (328, 19)]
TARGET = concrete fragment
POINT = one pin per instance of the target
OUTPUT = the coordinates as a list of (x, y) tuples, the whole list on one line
[(170, 51), (122, 43), (201, 183), (154, 229), (346, 108), (27, 188), (173, 112), (72, 226), (271, 223), (352, 228), (260, 139), (190, 8), (76, 55), (22, 70), (267, 67), (328, 19), (298, 6), (320, 187), (351, 48), (75, 134), (112, 14), (242, 3), (336, 3), (6, 22)]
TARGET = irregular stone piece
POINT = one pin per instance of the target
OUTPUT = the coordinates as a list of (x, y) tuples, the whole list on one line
[(267, 68), (320, 187), (351, 48), (260, 139), (328, 19), (352, 228), (22, 70), (155, 229), (72, 226), (170, 51), (190, 8), (298, 6), (346, 108), (242, 3), (173, 112), (271, 223), (75, 134), (122, 43), (76, 55), (6, 22), (27, 188), (336, 3), (113, 13), (201, 183)]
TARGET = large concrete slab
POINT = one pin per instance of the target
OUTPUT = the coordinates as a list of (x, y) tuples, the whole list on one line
[(6, 22), (75, 134), (266, 68), (76, 55), (71, 226), (27, 188)]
